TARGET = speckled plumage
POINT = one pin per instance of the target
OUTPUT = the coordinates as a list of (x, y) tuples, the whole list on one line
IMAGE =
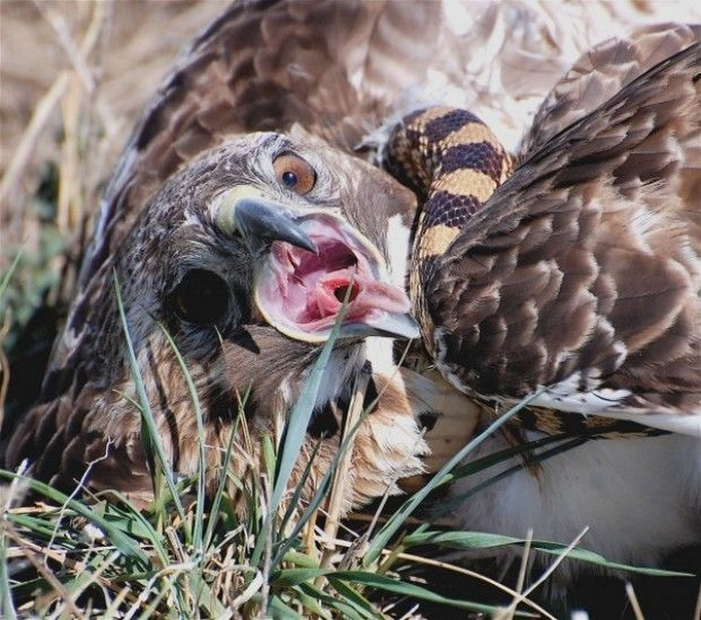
[(582, 272), (337, 70), (578, 279), (261, 67)]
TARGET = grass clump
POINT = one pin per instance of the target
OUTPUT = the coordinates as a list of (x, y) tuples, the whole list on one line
[(194, 556)]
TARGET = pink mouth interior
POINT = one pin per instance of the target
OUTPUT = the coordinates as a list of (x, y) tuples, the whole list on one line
[(304, 291)]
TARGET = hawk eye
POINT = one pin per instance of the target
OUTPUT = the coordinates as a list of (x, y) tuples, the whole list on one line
[(294, 173), (201, 298)]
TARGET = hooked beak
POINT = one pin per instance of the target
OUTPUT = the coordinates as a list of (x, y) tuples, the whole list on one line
[(311, 267), (261, 222)]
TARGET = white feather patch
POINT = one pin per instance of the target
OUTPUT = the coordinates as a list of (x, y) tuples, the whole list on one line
[(397, 249), (639, 497)]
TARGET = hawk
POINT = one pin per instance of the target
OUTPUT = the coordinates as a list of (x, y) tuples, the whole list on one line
[(255, 120), (248, 150)]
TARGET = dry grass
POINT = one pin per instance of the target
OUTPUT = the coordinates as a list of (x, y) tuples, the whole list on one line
[(74, 77), (277, 557)]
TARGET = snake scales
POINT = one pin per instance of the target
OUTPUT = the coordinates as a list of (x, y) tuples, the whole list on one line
[(454, 162)]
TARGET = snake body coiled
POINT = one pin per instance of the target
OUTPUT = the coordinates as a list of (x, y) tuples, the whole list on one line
[(453, 162)]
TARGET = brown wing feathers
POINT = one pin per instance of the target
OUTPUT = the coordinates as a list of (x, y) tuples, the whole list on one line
[(261, 66), (587, 261)]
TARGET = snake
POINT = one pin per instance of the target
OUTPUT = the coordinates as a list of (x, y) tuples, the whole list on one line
[(454, 162)]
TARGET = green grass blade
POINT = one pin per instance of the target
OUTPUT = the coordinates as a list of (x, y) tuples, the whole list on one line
[(221, 488), (345, 605), (311, 599), (382, 538), (566, 443), (9, 273), (296, 431), (310, 510), (283, 611), (197, 536), (135, 524), (299, 418), (124, 543), (319, 495), (499, 457), (352, 597), (486, 540), (409, 590), (289, 577), (7, 607), (148, 423)]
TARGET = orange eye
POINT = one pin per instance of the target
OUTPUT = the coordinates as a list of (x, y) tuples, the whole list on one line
[(295, 174)]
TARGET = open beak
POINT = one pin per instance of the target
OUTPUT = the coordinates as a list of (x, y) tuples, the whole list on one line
[(312, 267)]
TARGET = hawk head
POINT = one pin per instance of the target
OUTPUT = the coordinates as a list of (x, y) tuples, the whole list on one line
[(299, 210), (217, 261)]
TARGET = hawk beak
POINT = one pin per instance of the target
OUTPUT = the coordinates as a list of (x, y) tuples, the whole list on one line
[(312, 267), (260, 221)]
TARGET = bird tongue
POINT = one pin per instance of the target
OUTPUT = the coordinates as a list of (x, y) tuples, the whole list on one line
[(301, 293), (315, 292)]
